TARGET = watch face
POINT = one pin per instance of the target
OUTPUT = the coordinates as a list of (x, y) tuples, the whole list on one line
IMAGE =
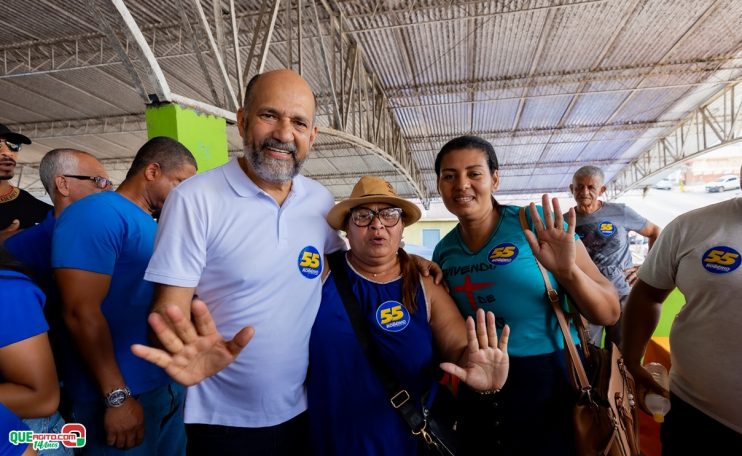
[(117, 397)]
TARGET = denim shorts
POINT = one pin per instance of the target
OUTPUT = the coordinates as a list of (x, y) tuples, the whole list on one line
[(49, 424)]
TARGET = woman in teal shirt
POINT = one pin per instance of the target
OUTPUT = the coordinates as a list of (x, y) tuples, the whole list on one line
[(489, 262)]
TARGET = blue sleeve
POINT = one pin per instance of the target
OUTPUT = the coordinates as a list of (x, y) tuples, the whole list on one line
[(88, 236), (32, 246), (633, 220), (9, 422), (21, 309), (18, 244)]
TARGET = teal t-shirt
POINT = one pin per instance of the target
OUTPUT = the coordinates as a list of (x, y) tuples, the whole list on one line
[(503, 277)]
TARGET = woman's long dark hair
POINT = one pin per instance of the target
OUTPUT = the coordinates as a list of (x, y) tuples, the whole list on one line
[(410, 281)]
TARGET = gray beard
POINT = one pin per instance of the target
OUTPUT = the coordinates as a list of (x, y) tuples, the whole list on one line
[(272, 170)]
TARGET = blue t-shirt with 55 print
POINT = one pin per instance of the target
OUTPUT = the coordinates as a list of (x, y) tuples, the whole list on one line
[(108, 234), (503, 277)]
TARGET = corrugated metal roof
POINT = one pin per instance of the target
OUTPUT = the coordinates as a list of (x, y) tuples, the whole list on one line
[(551, 83)]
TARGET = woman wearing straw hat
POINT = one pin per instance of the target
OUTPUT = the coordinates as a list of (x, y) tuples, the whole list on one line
[(410, 320)]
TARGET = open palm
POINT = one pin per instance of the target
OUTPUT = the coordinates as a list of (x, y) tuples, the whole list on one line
[(552, 246), (192, 351), (486, 362)]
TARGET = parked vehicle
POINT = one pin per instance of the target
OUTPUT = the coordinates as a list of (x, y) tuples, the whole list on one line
[(723, 183), (663, 184)]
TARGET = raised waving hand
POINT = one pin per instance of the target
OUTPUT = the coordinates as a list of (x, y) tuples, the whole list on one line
[(552, 246), (192, 351), (485, 363)]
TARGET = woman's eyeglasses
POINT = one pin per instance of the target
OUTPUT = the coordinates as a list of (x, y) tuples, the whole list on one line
[(12, 146), (389, 216), (101, 182)]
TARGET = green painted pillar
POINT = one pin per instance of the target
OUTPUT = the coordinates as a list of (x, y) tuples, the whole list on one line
[(203, 134)]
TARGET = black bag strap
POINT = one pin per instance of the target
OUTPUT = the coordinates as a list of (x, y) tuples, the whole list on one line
[(15, 277), (398, 395)]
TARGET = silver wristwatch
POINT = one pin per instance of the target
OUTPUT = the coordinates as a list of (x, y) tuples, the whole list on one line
[(117, 397)]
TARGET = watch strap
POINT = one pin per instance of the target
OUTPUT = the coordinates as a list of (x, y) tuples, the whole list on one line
[(111, 400)]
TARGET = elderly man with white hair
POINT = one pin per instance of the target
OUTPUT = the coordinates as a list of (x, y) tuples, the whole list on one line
[(604, 228)]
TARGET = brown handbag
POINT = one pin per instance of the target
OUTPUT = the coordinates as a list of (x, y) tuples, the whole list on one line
[(605, 415)]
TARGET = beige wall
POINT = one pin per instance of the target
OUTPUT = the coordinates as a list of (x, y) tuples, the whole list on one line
[(414, 234)]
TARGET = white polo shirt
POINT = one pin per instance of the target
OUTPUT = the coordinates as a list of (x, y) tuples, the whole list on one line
[(253, 263)]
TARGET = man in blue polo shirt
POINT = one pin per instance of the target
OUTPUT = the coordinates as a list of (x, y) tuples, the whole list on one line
[(101, 248)]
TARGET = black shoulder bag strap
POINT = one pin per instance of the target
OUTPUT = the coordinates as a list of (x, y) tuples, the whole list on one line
[(399, 396), (14, 277)]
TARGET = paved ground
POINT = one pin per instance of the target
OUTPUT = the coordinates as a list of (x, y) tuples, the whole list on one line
[(662, 206)]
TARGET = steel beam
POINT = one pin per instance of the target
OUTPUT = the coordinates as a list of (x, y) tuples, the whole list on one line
[(196, 35), (236, 50), (216, 54), (262, 29), (535, 60), (148, 59), (710, 127), (130, 123), (207, 108), (386, 12), (370, 124), (116, 45), (130, 120), (403, 164), (167, 42)]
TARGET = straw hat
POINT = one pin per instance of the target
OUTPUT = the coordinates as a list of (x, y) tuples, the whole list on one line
[(368, 190)]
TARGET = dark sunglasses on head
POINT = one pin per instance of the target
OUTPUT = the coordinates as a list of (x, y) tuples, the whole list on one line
[(12, 146), (101, 182)]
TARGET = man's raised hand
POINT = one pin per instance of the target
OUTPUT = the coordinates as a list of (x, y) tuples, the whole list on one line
[(192, 351)]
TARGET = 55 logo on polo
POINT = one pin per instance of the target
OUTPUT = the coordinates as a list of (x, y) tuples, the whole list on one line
[(721, 259), (310, 262)]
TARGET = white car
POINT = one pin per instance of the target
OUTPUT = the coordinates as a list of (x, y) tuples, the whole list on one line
[(663, 184), (723, 183)]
